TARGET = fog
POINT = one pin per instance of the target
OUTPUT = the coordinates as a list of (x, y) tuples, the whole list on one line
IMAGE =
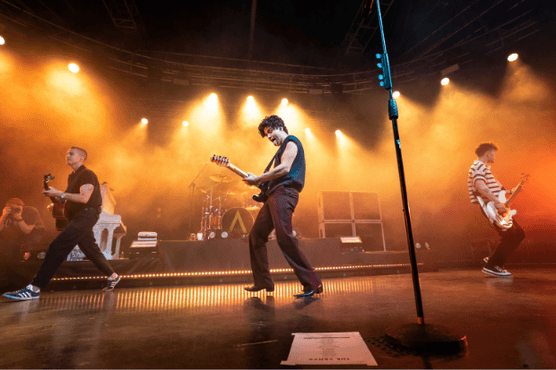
[(45, 109)]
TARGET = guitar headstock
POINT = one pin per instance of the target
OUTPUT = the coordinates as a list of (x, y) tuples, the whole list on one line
[(524, 178), (219, 160), (47, 178)]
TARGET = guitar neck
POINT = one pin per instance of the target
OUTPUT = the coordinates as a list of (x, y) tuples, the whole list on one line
[(512, 197), (236, 170)]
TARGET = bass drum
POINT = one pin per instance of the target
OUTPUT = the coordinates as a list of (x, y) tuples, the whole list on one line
[(237, 222)]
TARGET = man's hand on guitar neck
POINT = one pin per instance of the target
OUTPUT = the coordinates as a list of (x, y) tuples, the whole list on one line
[(52, 193), (251, 179)]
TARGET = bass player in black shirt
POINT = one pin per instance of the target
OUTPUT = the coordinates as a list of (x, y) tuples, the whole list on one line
[(84, 203)]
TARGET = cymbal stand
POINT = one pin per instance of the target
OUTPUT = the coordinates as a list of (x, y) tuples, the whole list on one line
[(206, 214)]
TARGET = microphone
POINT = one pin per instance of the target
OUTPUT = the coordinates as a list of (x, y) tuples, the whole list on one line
[(367, 8)]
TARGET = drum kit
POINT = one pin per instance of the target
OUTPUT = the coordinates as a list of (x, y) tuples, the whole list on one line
[(228, 209)]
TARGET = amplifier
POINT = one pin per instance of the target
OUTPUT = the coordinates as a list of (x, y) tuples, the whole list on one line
[(146, 245), (348, 205)]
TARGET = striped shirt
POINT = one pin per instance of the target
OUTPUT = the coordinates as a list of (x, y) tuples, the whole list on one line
[(480, 171)]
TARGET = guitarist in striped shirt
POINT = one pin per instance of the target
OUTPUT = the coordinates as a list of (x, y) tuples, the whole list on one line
[(483, 184)]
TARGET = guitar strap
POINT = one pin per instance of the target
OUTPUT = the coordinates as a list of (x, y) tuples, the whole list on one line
[(271, 163)]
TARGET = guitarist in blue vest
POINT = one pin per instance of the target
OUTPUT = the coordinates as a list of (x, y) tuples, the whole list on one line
[(84, 206), (482, 184), (281, 184)]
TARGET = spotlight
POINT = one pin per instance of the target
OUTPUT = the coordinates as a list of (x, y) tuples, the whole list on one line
[(445, 81), (185, 123), (396, 94), (250, 99), (73, 67), (307, 130), (2, 41), (338, 132), (284, 102), (144, 121), (513, 57)]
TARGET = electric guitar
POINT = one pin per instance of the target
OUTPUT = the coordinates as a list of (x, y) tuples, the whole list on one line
[(225, 162), (503, 221), (59, 209)]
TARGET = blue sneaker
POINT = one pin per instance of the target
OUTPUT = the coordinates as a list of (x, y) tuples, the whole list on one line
[(24, 294), (111, 284)]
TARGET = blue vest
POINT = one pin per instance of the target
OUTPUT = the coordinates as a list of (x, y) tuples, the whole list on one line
[(296, 177)]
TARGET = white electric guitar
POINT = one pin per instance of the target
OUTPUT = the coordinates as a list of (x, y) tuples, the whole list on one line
[(503, 221)]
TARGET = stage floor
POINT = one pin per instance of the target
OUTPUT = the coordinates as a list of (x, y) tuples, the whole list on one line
[(509, 323)]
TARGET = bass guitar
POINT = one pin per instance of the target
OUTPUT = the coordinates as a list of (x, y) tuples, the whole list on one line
[(503, 221), (59, 209), (225, 162)]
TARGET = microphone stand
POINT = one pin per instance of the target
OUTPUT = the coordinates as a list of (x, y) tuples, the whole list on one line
[(420, 335), (192, 186)]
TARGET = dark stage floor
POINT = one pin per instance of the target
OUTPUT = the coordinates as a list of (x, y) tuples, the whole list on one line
[(509, 323)]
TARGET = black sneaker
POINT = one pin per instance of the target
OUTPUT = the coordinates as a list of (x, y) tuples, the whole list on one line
[(24, 294), (496, 271), (111, 284)]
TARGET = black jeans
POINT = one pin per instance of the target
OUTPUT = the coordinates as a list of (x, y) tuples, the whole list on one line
[(276, 214), (78, 232), (510, 240)]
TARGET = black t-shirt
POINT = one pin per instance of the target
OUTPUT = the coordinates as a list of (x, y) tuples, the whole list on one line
[(83, 176)]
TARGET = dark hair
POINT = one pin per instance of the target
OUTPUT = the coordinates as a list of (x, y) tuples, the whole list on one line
[(83, 151), (274, 122), (15, 201), (485, 147)]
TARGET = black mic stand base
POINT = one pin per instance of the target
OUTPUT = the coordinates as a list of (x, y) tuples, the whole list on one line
[(426, 337)]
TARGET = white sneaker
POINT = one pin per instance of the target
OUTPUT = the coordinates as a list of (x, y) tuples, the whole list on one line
[(496, 271), (24, 294)]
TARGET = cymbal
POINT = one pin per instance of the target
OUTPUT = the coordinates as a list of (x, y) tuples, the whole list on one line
[(221, 178), (204, 189)]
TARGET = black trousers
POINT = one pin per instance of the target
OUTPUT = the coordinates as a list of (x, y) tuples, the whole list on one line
[(276, 214), (78, 232), (510, 240)]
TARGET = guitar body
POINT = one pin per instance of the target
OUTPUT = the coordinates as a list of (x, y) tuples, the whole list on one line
[(59, 209), (261, 197), (503, 221)]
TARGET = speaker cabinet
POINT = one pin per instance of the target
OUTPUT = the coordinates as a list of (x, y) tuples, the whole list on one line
[(343, 213)]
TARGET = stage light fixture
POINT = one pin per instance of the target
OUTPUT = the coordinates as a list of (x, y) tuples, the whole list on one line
[(338, 132), (144, 121), (73, 67), (445, 81), (307, 130), (284, 102), (396, 94), (250, 99), (185, 123), (2, 41), (513, 57)]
